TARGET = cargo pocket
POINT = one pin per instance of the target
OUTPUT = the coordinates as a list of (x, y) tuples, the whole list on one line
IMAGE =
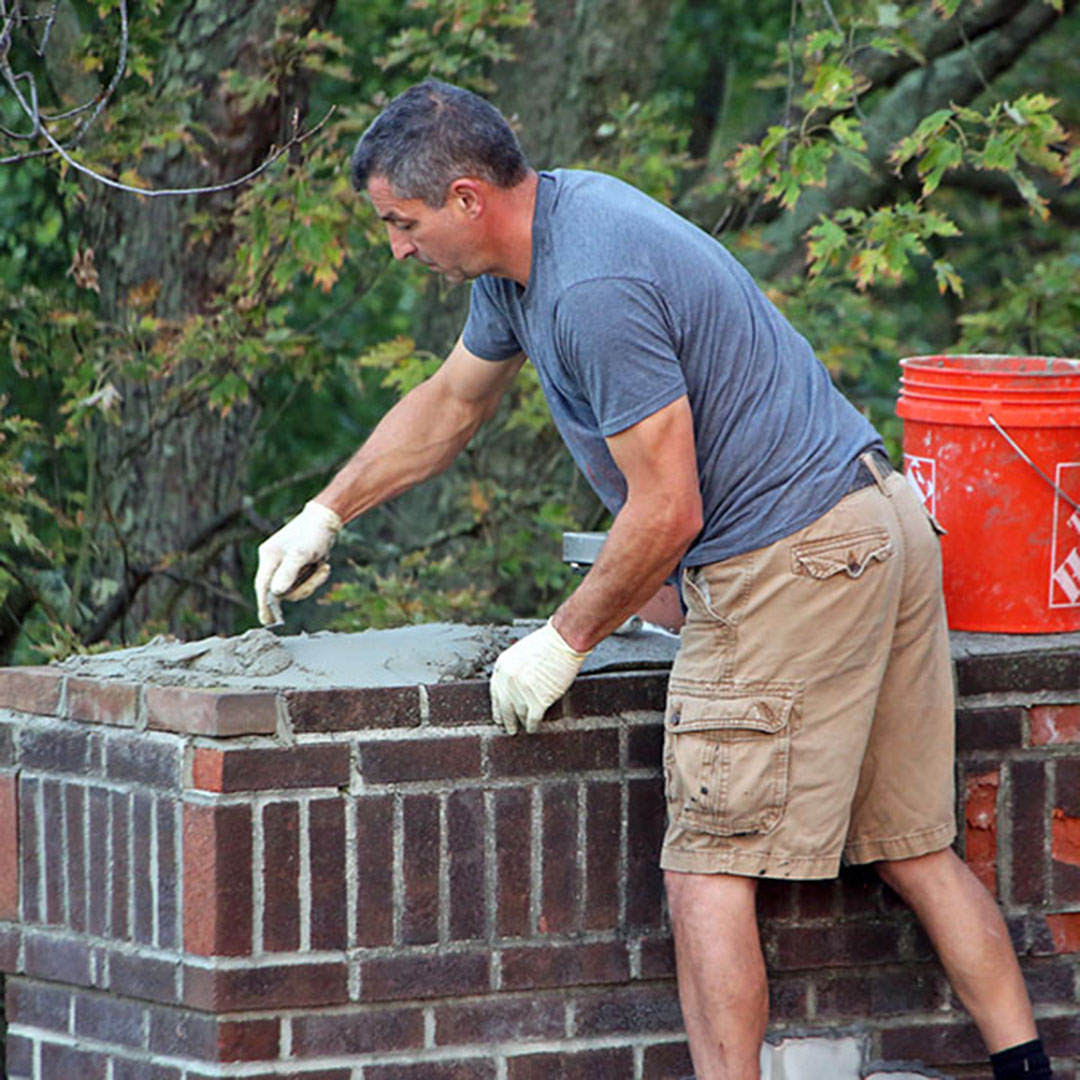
[(726, 756), (849, 554)]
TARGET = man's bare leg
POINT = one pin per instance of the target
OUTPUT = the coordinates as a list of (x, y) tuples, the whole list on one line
[(721, 972), (970, 936)]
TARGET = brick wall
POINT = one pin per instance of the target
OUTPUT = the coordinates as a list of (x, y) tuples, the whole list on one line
[(373, 884)]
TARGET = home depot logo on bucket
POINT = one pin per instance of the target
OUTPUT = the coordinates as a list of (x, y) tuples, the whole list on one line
[(1065, 578), (921, 473)]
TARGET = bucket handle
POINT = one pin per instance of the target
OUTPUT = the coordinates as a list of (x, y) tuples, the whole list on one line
[(1013, 443)]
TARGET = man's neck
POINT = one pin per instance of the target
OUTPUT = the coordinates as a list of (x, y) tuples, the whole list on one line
[(512, 230)]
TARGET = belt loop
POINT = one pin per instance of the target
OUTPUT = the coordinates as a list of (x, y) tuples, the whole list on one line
[(870, 461)]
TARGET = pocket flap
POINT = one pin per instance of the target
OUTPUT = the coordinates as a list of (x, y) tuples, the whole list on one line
[(850, 554), (729, 711)]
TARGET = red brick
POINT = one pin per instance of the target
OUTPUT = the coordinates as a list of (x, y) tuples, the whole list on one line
[(471, 1069), (420, 838), (374, 870), (513, 848), (367, 1031), (58, 748), (120, 806), (102, 702), (52, 828), (881, 993), (9, 846), (1028, 831), (667, 1060), (500, 1019), (37, 1005), (144, 977), (776, 899), (1065, 838), (19, 1057), (420, 759), (1065, 929), (465, 833), (603, 831), (10, 939), (817, 899), (612, 694), (658, 958), (144, 759), (646, 819), (142, 1070), (75, 835), (282, 986), (168, 873), (424, 975), (1052, 725), (281, 877), (459, 703), (328, 902), (1067, 785), (183, 1033), (980, 821), (934, 1043), (560, 891), (564, 965), (354, 708), (30, 690), (109, 1019), (217, 880), (552, 752), (789, 998), (57, 1061), (142, 869), (210, 712), (985, 730), (270, 768), (845, 944), (1061, 1034), (610, 1064), (97, 857), (629, 1010), (59, 960), (645, 746), (248, 1040)]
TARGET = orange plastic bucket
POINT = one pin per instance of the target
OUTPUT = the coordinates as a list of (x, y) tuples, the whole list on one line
[(992, 447)]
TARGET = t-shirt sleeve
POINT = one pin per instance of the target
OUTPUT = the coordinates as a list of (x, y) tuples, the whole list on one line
[(487, 332), (615, 338)]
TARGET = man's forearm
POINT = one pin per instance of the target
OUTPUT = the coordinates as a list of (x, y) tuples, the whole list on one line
[(641, 550), (415, 440)]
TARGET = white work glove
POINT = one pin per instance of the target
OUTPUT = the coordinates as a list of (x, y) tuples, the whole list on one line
[(301, 543), (530, 676)]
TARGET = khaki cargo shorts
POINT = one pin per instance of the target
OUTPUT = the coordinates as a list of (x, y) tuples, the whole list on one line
[(810, 714)]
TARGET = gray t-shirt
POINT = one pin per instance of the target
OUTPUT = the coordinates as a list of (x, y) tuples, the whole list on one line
[(628, 307)]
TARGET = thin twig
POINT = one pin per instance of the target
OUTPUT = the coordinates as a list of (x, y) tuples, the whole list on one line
[(210, 189)]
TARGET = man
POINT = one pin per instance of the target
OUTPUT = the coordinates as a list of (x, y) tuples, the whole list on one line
[(810, 707)]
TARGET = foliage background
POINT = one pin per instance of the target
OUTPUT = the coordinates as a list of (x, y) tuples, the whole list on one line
[(173, 384)]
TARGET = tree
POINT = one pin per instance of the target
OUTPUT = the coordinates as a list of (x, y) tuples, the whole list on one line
[(182, 371)]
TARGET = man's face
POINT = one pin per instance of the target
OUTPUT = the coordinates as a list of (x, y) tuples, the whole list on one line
[(441, 239)]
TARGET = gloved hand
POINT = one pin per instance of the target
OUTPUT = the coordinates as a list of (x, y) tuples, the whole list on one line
[(530, 676), (301, 543)]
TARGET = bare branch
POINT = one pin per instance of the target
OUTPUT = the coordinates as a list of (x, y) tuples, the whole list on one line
[(41, 123)]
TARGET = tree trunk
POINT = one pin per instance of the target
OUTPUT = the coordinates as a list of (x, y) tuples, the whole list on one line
[(169, 468)]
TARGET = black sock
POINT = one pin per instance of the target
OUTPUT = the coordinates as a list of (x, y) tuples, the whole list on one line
[(1028, 1061)]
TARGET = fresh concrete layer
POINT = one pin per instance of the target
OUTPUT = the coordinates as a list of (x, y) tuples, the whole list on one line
[(406, 656)]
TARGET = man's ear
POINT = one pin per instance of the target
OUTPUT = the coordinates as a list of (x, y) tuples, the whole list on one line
[(469, 196)]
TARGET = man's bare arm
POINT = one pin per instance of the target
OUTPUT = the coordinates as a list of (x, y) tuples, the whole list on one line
[(422, 433), (657, 523)]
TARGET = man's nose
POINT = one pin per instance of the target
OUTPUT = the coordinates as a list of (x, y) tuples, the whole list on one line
[(401, 246)]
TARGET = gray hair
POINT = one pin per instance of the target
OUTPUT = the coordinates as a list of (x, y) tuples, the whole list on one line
[(431, 135)]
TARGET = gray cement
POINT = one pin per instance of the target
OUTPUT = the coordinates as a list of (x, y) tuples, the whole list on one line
[(406, 656)]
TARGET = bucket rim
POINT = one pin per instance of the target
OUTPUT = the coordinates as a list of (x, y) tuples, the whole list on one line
[(1039, 366)]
